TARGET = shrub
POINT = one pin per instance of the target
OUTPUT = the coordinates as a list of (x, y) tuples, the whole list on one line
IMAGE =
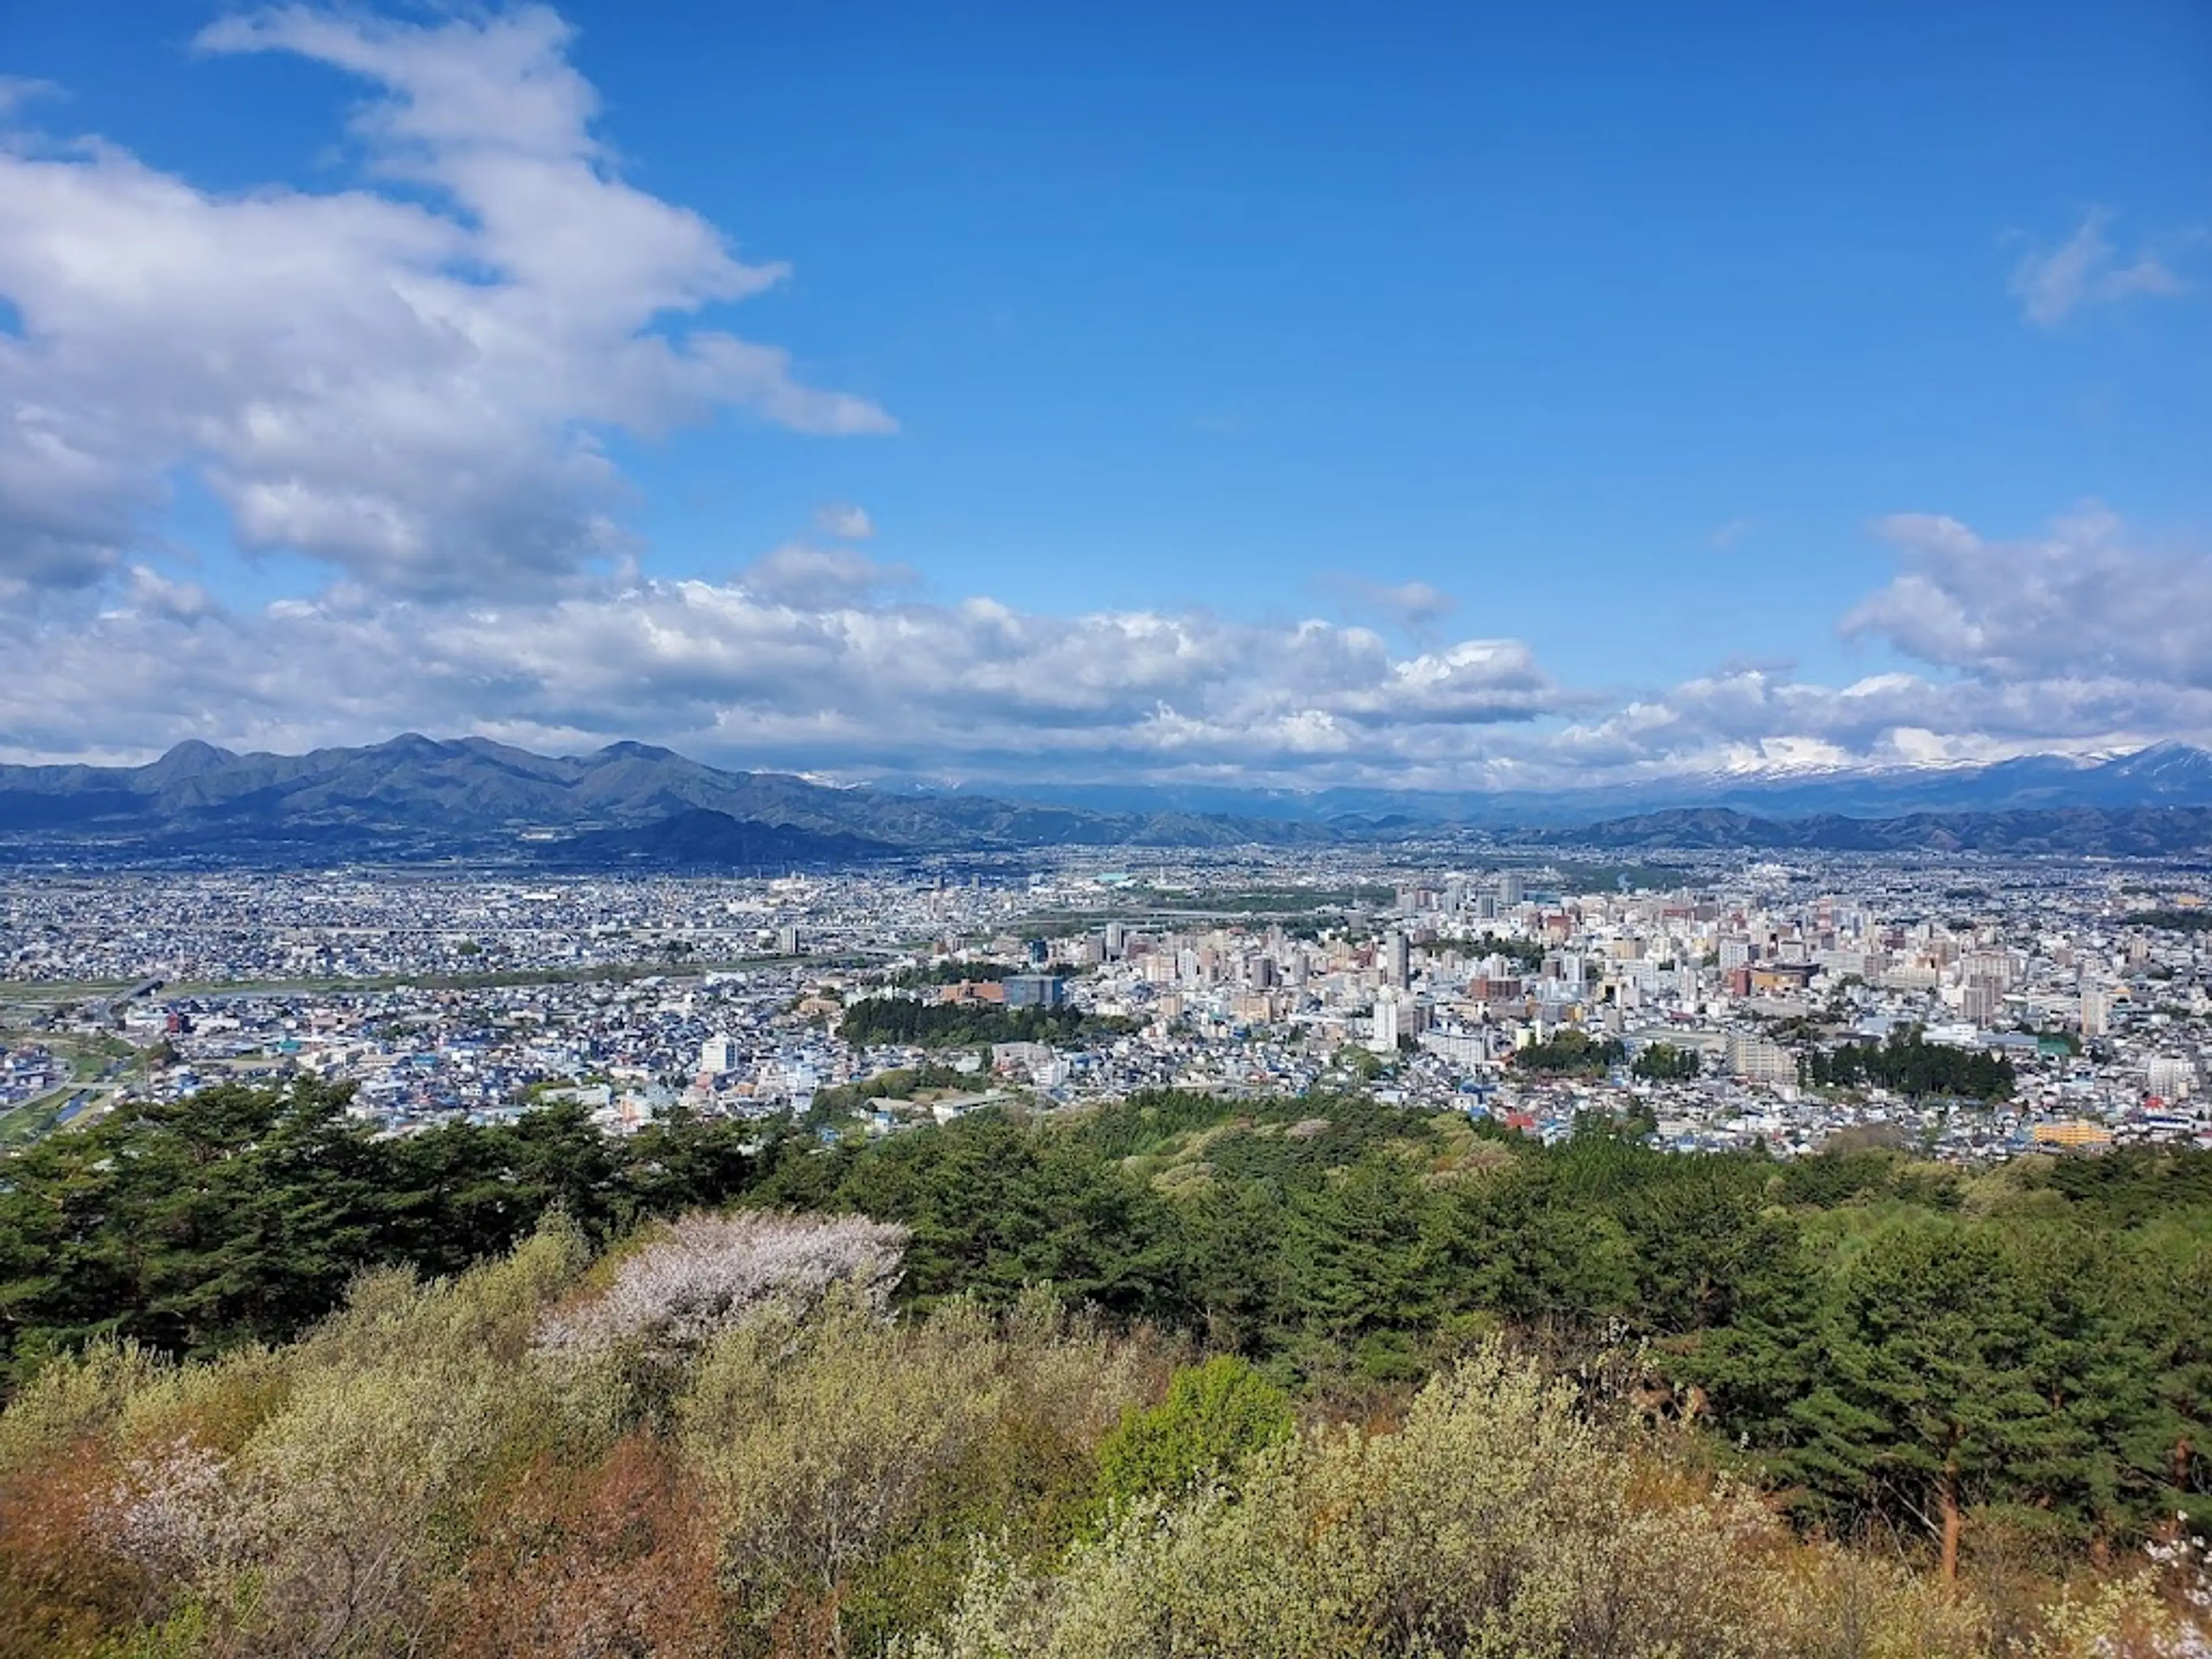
[(1215, 1416)]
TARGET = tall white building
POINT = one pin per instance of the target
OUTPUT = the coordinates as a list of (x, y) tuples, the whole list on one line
[(2096, 1012), (1385, 1040)]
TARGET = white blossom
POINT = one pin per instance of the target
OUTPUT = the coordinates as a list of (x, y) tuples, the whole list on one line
[(710, 1271)]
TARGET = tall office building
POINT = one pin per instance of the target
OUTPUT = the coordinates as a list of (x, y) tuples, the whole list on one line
[(1511, 890), (1035, 991), (1397, 960), (2096, 1012)]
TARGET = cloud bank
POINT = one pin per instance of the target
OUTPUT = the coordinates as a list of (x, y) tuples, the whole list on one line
[(790, 664), (2077, 639)]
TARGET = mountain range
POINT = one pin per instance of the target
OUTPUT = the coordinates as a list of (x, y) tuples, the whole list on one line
[(415, 793), (2078, 832), (2164, 774), (630, 802)]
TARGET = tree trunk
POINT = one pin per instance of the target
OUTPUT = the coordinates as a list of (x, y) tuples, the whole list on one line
[(1947, 1498)]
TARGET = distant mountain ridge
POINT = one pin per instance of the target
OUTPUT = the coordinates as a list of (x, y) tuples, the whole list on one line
[(2163, 775), (2078, 832), (632, 801), (476, 791)]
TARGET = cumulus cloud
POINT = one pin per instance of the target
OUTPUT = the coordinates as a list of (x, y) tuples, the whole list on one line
[(2085, 270), (1766, 722), (405, 380), (2080, 602), (765, 669)]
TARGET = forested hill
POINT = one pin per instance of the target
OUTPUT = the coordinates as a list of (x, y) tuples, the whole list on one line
[(1337, 1241)]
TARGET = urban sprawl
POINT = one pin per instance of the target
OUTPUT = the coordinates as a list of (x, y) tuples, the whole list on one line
[(1970, 1009)]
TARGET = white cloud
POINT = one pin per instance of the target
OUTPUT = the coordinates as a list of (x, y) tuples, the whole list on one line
[(17, 90), (2081, 602), (848, 522), (2079, 639), (1759, 720), (405, 384), (2052, 283), (1416, 606), (802, 578)]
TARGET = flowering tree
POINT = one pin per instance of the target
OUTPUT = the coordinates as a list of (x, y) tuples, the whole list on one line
[(707, 1271)]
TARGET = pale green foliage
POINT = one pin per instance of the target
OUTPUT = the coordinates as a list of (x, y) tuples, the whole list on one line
[(816, 1439), (1062, 1372), (75, 1395), (216, 1401), (347, 1488), (1215, 1416), (1496, 1522), (184, 1635), (320, 1528), (390, 1317), (1823, 1603)]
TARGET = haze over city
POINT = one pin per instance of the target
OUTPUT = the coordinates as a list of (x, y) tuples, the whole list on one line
[(1251, 396)]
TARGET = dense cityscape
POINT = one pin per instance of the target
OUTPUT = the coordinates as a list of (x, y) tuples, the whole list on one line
[(2064, 1004)]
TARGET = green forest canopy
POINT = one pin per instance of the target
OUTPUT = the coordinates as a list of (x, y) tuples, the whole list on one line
[(901, 1021), (1911, 1065)]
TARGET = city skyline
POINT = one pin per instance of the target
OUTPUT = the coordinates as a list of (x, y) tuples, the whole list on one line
[(1238, 399)]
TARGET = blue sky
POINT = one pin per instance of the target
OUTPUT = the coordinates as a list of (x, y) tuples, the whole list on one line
[(1699, 365)]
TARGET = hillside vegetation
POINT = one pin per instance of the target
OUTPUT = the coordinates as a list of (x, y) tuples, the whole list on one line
[(1175, 1377)]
